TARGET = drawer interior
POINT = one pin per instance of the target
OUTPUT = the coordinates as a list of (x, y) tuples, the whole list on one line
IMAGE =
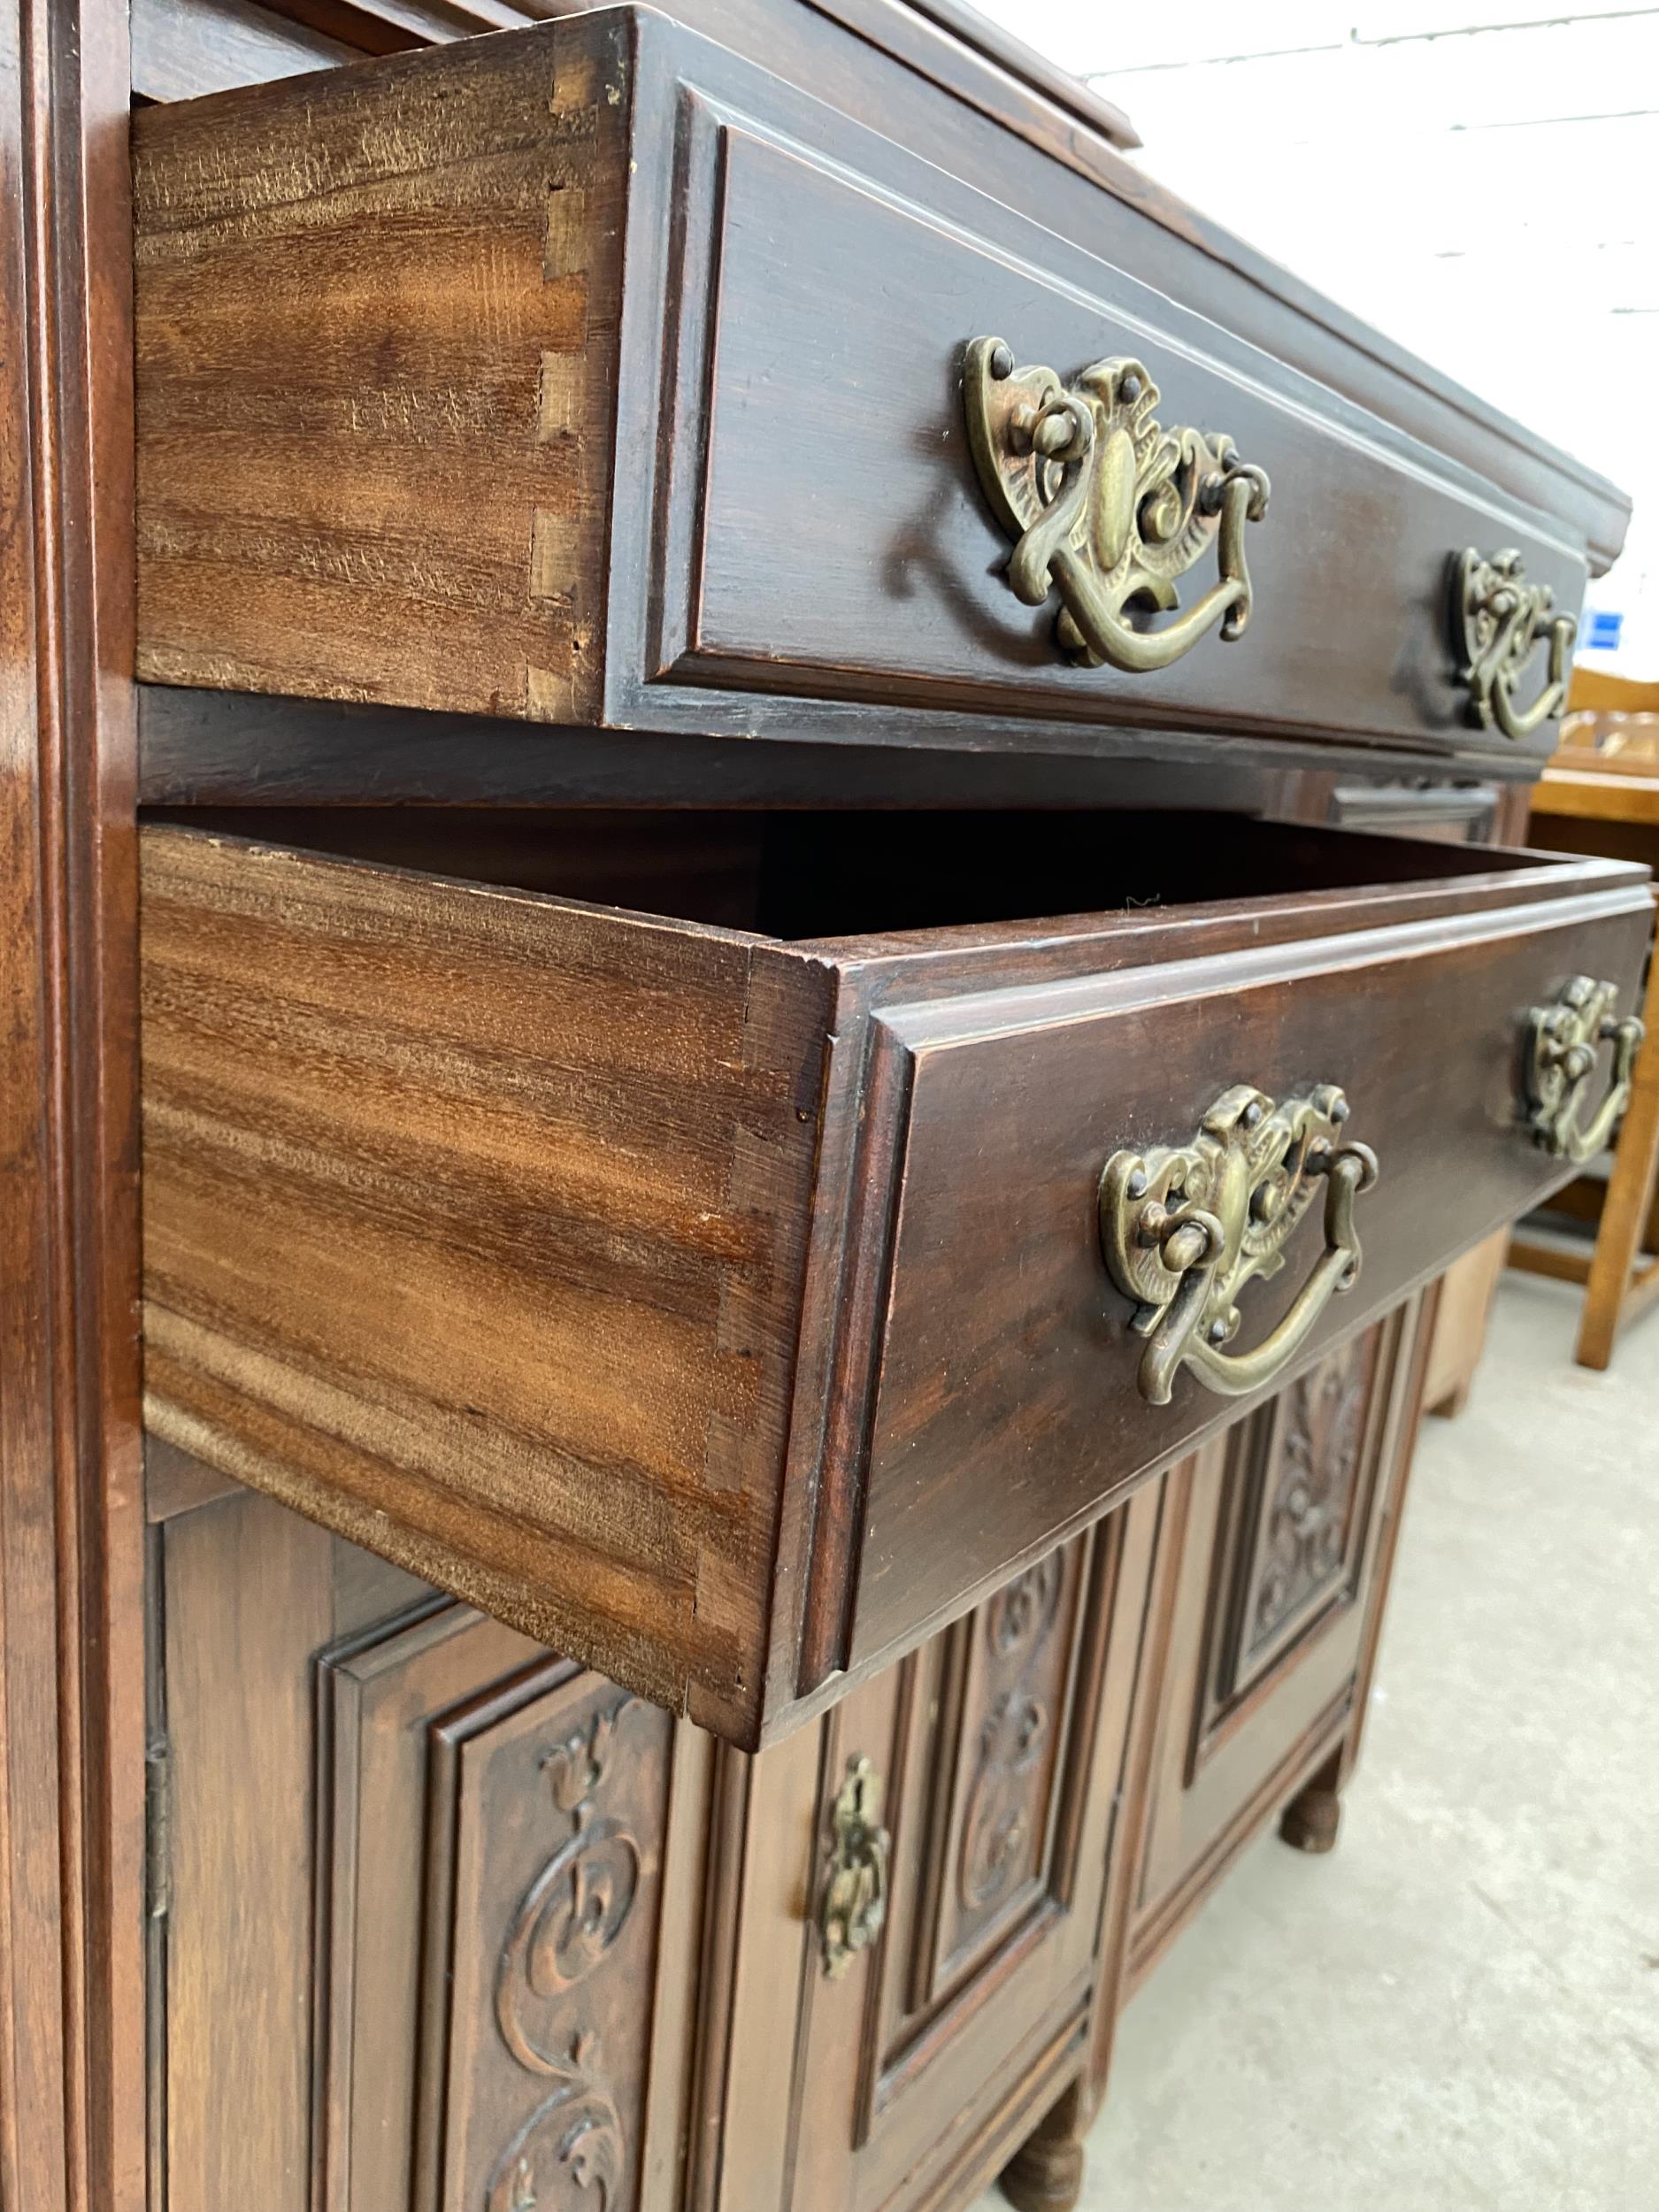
[(836, 876)]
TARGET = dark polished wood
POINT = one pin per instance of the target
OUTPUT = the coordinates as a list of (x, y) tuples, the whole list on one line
[(1577, 806), (1281, 1530), (181, 51), (203, 748), (72, 1629), (946, 41), (323, 1892), (557, 1935), (437, 458), (1000, 1743), (1090, 192), (467, 1209), (510, 1866), (1046, 2172), (1313, 1818), (1045, 2175)]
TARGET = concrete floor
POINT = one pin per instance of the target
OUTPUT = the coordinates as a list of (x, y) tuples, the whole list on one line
[(1459, 2009)]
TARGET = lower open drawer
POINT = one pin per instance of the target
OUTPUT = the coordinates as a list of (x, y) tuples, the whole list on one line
[(729, 1297)]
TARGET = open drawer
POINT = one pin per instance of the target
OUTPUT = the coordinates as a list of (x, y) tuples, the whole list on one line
[(729, 1298), (621, 383)]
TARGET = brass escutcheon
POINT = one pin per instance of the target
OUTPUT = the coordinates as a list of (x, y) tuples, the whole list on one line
[(854, 1904)]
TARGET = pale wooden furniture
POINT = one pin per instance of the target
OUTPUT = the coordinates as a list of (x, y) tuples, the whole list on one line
[(1467, 1290), (1582, 805)]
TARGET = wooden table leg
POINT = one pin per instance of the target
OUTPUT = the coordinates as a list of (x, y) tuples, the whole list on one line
[(1607, 1301)]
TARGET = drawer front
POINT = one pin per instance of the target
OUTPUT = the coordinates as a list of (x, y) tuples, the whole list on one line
[(718, 474), (828, 532), (1014, 1394)]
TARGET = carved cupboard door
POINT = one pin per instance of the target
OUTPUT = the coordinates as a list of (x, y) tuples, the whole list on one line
[(1275, 1542), (996, 1754), (431, 1936)]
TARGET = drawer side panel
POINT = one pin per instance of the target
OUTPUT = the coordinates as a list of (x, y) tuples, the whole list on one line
[(474, 1228), (376, 328)]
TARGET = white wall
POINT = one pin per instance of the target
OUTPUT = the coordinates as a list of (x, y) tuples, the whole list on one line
[(1481, 181)]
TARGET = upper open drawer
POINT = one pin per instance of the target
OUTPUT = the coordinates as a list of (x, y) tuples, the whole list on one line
[(730, 1297), (593, 375)]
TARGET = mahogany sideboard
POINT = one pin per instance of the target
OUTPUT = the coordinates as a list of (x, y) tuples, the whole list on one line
[(765, 932)]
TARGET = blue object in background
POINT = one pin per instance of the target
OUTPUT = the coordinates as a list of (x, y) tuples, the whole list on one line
[(1599, 631)]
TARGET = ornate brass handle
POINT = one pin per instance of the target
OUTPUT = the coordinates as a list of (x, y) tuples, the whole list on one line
[(1564, 1044), (1497, 619), (855, 1901), (1184, 1228), (1108, 506)]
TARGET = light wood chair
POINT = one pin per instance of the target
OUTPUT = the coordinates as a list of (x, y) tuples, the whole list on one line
[(1599, 794)]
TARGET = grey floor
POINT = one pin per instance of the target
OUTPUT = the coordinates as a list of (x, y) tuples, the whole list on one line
[(1459, 2009)]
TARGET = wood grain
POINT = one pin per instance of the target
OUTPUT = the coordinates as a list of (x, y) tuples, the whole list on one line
[(953, 44), (792, 392), (1044, 157), (514, 1302), (1228, 1729), (71, 1651), (1007, 1364), (576, 501), (1408, 1422), (1605, 797), (379, 1696), (71, 2130), (184, 48), (508, 1852), (440, 401), (1467, 1290), (200, 747), (249, 1596), (916, 2069), (619, 1274)]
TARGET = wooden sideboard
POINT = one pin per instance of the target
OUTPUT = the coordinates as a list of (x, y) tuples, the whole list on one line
[(775, 823), (565, 1940)]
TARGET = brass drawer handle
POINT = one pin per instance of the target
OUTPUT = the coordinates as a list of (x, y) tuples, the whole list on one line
[(1185, 1228), (1108, 506), (1497, 619), (855, 1901), (1564, 1044)]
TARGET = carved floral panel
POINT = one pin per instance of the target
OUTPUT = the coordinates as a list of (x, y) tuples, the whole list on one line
[(1300, 1530), (547, 1829), (1016, 1657)]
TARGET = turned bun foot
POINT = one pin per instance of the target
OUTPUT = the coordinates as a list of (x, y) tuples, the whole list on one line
[(1309, 1822), (1045, 2175)]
